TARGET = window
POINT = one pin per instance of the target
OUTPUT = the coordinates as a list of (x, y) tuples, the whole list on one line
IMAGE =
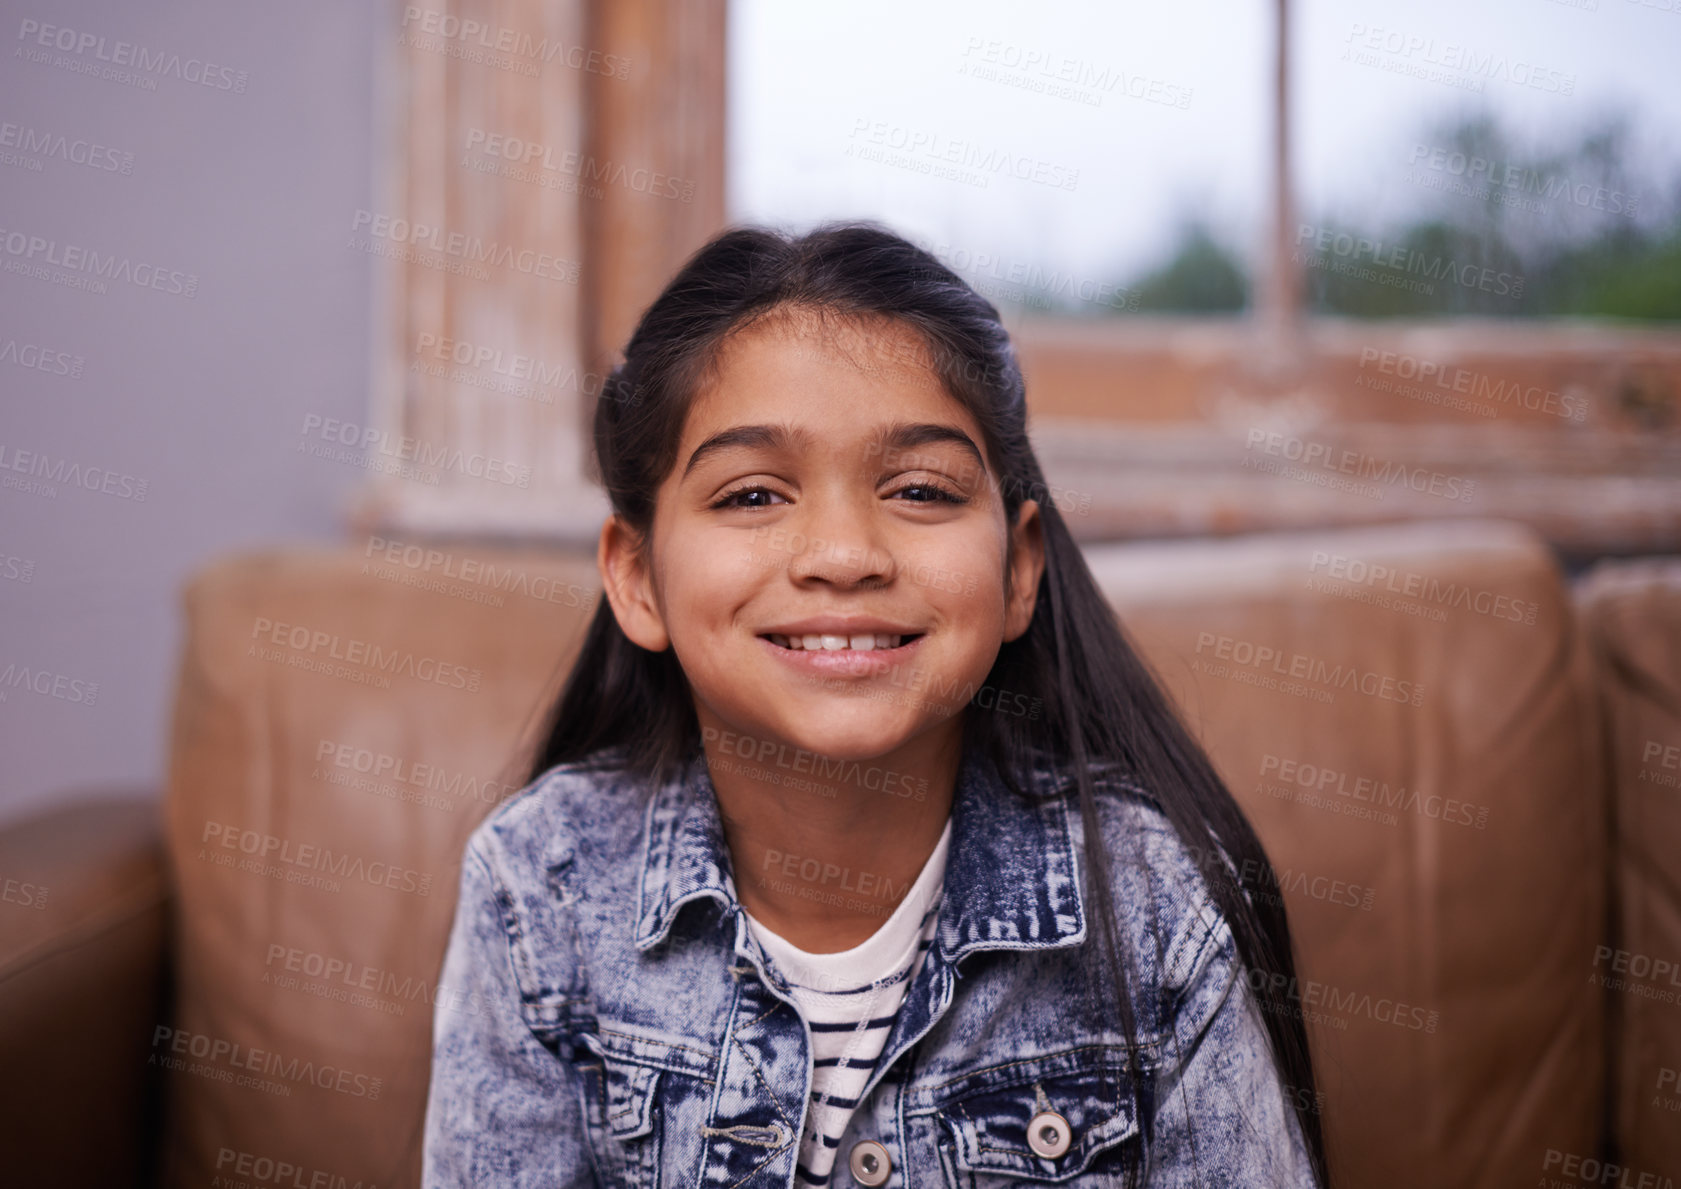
[(1223, 330)]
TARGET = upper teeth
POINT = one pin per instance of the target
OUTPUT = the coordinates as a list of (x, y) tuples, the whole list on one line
[(862, 643)]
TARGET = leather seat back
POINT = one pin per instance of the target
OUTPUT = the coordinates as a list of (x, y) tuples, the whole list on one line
[(1407, 716), (344, 719)]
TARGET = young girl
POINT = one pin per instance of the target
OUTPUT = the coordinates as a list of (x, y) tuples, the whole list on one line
[(862, 848)]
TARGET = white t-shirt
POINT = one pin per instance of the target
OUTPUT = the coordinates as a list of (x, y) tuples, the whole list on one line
[(849, 1000)]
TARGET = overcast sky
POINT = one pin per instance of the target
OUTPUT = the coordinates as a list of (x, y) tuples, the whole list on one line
[(847, 110)]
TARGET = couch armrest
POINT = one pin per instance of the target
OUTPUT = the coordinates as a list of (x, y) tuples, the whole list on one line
[(84, 907)]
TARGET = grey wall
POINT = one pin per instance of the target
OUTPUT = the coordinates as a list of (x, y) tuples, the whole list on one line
[(202, 396)]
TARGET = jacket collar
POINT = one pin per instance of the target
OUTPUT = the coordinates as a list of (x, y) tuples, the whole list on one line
[(1012, 869)]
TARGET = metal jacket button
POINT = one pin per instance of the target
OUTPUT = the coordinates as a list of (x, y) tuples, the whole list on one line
[(1048, 1134), (869, 1163)]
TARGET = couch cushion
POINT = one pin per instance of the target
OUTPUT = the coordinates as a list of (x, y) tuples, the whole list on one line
[(344, 718), (1632, 615), (83, 909), (1405, 715)]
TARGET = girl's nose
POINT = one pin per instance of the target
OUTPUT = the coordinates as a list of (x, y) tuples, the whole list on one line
[(843, 551), (840, 564)]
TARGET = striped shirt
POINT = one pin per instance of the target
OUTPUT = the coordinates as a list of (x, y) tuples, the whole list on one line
[(849, 1000)]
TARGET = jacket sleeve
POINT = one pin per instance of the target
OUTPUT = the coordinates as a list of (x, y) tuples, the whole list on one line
[(1221, 1113), (502, 1109)]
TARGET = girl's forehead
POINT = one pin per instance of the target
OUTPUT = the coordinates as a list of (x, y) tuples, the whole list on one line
[(823, 425), (873, 344), (806, 377)]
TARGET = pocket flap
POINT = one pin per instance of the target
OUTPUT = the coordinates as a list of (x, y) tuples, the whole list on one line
[(989, 1125), (628, 1090), (630, 1098)]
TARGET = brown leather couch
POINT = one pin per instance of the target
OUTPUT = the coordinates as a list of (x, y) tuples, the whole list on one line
[(1467, 771)]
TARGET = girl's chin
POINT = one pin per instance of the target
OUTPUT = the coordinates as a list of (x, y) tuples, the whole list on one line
[(812, 745)]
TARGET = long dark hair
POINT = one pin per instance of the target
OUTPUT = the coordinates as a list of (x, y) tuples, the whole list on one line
[(625, 706)]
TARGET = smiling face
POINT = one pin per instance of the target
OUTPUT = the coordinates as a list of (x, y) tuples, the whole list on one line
[(830, 557)]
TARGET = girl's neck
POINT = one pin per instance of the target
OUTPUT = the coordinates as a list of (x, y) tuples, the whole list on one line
[(824, 850)]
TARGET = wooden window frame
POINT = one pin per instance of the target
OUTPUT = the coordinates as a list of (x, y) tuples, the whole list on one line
[(1146, 426), (638, 91)]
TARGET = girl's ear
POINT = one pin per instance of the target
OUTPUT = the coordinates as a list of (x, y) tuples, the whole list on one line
[(1027, 564), (629, 587)]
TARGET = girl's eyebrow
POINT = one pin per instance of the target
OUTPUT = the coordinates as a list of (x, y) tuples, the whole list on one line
[(899, 436)]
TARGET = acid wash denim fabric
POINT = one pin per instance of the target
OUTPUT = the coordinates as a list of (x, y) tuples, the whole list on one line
[(610, 1020)]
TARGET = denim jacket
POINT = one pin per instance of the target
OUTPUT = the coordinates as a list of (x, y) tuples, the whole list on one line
[(612, 1021)]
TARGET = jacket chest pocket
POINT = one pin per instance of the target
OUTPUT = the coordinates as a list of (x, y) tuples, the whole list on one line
[(622, 1114), (1068, 1128)]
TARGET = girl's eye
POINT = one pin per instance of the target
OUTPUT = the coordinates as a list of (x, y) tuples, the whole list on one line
[(932, 493), (929, 493), (747, 497)]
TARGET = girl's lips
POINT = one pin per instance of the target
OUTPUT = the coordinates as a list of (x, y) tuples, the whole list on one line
[(843, 662)]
